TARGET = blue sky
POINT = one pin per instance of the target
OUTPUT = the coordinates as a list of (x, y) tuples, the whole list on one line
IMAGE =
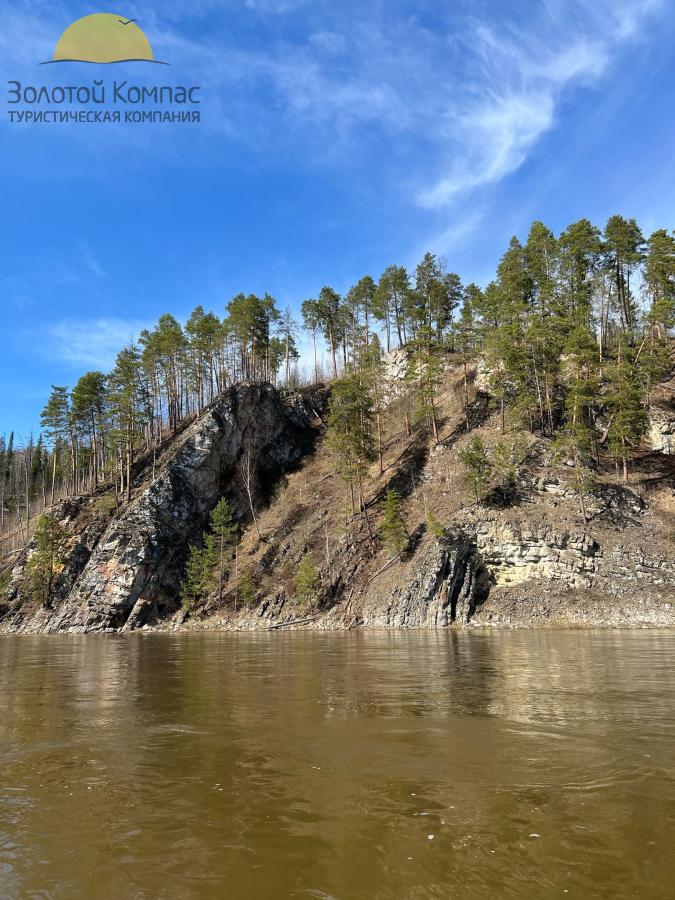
[(336, 138)]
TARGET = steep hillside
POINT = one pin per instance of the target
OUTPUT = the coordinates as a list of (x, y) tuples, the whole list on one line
[(533, 561), (522, 559), (124, 566)]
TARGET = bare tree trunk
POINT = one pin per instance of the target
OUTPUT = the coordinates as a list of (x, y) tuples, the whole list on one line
[(27, 492), (316, 364), (540, 401), (434, 423), (466, 394), (327, 550), (130, 453), (54, 473), (332, 350), (94, 441), (221, 568), (247, 473), (362, 504)]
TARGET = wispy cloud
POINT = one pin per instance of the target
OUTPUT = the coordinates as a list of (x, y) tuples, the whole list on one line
[(521, 76), (449, 102), (94, 343), (467, 100), (91, 261)]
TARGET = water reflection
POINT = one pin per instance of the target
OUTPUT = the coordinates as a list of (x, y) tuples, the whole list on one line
[(428, 764)]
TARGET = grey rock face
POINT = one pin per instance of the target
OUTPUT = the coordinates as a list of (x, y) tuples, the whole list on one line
[(449, 583), (395, 366), (661, 430), (130, 573)]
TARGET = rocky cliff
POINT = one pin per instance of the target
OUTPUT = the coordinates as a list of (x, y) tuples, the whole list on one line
[(530, 561), (125, 570)]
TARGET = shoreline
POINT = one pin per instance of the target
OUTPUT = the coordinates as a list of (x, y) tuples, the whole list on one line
[(576, 611)]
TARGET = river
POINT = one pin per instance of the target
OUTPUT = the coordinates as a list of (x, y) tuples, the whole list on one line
[(526, 764)]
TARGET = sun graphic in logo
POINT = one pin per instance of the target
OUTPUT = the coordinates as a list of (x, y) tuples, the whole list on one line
[(103, 38)]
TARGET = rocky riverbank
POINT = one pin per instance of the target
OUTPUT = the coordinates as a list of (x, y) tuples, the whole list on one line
[(529, 562)]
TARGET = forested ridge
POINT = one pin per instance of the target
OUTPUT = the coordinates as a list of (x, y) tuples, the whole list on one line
[(574, 332)]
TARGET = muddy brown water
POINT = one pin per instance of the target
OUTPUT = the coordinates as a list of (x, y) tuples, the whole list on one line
[(361, 765)]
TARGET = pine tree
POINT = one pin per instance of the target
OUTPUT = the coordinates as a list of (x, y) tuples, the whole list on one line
[(390, 303), (207, 566), (513, 357), (573, 443), (580, 249), (38, 475), (219, 543), (167, 345), (624, 251), (424, 373), (5, 478), (46, 558), (359, 303), (57, 422), (394, 529), (288, 332), (434, 525), (124, 398), (654, 356), (543, 333), (311, 317), (278, 353), (372, 368), (438, 293), (466, 335), (307, 582), (628, 417), (350, 433), (194, 586), (88, 408), (477, 466), (331, 321), (506, 306), (505, 460), (205, 334), (246, 589), (574, 440), (659, 277)]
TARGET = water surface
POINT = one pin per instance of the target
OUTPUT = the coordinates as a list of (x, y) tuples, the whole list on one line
[(359, 765)]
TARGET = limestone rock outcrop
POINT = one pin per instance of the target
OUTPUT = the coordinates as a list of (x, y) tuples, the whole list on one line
[(515, 555)]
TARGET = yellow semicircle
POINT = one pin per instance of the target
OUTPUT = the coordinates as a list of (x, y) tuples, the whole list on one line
[(103, 38)]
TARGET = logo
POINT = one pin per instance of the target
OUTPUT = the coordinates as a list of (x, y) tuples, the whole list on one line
[(103, 38)]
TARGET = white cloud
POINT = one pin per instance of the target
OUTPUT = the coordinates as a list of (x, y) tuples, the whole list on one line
[(520, 79), (449, 237), (330, 43), (449, 108), (497, 137), (91, 261), (94, 343)]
